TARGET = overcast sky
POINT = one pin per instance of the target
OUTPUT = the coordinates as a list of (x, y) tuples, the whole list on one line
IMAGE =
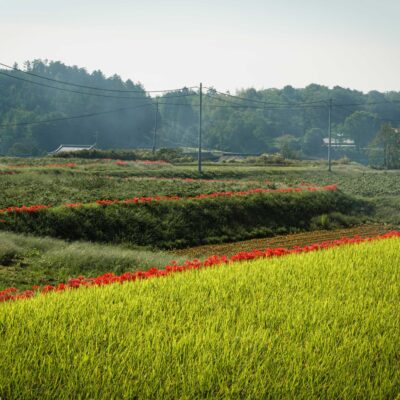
[(228, 44)]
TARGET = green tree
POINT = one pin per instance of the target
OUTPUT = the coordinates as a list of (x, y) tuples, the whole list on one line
[(312, 142), (288, 146), (388, 139), (361, 126)]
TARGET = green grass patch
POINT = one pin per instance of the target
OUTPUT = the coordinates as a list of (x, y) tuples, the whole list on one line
[(310, 326), (27, 260)]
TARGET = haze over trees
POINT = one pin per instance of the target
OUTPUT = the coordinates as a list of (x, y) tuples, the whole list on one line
[(292, 121)]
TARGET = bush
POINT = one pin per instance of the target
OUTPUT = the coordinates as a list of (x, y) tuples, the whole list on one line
[(9, 252)]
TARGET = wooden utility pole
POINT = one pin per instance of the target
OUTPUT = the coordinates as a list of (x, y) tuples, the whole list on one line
[(200, 127), (330, 136), (155, 128)]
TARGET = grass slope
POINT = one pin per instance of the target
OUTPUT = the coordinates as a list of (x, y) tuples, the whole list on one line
[(316, 325)]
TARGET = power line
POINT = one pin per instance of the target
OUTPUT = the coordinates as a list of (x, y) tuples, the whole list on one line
[(221, 99), (376, 117), (93, 87), (262, 101), (90, 115), (367, 104), (326, 102), (288, 107), (73, 116), (79, 92)]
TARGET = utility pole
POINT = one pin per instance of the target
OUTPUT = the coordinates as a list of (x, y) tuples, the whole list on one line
[(96, 138), (330, 136), (200, 122), (155, 129)]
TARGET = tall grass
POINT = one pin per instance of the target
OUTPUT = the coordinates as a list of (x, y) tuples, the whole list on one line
[(27, 260), (316, 325)]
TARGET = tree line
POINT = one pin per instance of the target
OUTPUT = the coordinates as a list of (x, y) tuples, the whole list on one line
[(289, 120)]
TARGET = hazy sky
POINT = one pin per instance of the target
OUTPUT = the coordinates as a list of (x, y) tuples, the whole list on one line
[(227, 44)]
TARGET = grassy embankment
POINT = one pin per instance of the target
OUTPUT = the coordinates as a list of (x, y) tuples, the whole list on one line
[(93, 179), (174, 224), (315, 325)]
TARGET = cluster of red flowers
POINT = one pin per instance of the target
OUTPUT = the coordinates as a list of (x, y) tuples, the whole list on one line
[(68, 165), (28, 209), (109, 278), (8, 172), (120, 162), (136, 200)]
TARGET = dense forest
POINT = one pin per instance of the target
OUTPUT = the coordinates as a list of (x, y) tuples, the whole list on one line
[(92, 108)]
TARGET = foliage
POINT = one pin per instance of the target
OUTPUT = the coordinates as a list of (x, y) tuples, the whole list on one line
[(22, 102), (388, 139), (216, 333), (312, 142), (362, 127), (288, 146)]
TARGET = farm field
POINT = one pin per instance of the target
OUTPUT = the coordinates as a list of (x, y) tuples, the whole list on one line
[(70, 200), (46, 181), (323, 324)]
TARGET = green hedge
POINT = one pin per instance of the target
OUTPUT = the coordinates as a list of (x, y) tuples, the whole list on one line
[(169, 224)]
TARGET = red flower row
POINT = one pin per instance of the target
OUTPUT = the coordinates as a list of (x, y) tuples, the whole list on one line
[(67, 165), (135, 200), (109, 278), (28, 209)]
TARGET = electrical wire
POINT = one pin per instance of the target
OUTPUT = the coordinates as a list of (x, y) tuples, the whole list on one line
[(84, 93), (93, 87), (262, 101), (73, 116)]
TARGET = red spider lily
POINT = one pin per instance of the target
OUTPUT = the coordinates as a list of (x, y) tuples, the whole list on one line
[(214, 260), (29, 209), (73, 205), (68, 165), (120, 162)]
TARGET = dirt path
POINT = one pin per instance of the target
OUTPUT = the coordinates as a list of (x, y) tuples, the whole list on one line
[(288, 241)]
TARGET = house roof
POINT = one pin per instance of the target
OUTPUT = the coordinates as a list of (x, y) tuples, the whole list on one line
[(72, 147), (339, 142)]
